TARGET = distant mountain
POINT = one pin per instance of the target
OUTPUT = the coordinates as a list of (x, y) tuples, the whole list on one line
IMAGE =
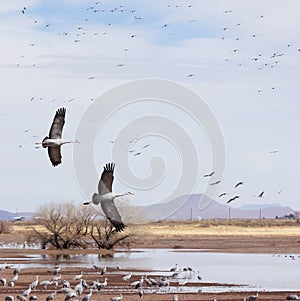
[(200, 206), (6, 215), (258, 206)]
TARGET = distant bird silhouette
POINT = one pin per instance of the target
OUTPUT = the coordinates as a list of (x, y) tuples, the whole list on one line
[(238, 184), (215, 183), (222, 194), (210, 174), (261, 194), (232, 199)]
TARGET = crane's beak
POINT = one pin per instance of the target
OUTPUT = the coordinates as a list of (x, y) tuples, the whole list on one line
[(130, 193)]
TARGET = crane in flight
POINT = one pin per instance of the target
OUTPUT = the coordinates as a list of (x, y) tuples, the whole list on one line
[(55, 141), (105, 197)]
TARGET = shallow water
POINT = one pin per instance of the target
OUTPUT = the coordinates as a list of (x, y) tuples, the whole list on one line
[(256, 271)]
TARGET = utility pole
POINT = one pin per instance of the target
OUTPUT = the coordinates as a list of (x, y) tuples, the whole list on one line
[(191, 214), (229, 213), (260, 214)]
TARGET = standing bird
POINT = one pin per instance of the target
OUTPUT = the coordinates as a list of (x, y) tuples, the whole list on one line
[(88, 296), (127, 277), (175, 297), (232, 199), (35, 283), (141, 293), (78, 277), (54, 141), (116, 298), (253, 297), (106, 197), (292, 297), (27, 292)]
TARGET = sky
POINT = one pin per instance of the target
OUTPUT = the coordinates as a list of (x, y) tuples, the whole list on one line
[(169, 91)]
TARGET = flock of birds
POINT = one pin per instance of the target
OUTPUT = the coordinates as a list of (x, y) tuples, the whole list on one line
[(105, 196), (238, 184), (75, 287), (82, 286)]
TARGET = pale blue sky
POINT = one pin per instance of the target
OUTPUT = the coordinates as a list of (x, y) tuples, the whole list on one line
[(62, 53)]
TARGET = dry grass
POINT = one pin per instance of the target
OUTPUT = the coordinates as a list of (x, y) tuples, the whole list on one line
[(199, 228), (221, 227)]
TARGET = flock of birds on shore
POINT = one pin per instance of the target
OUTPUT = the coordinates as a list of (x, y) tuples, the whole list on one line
[(74, 288), (80, 287)]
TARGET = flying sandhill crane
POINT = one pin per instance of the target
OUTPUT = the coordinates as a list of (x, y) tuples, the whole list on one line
[(106, 197), (54, 141), (232, 199), (253, 297), (238, 184), (209, 175), (261, 194)]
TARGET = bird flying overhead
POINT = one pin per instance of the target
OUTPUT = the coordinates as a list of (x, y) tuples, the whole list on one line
[(238, 184), (261, 194), (210, 174), (54, 141), (232, 199), (215, 183), (106, 197)]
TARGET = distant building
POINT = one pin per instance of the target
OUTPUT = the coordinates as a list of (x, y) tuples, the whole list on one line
[(18, 218)]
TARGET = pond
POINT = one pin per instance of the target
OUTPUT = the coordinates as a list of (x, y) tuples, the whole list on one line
[(256, 271)]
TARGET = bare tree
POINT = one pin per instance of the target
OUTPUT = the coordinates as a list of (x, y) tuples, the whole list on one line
[(106, 237), (5, 227), (64, 225)]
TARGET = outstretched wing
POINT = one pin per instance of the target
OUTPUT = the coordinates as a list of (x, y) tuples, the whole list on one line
[(111, 212), (57, 124), (107, 178), (54, 155)]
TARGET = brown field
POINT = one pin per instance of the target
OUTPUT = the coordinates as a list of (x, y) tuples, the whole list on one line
[(251, 236)]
